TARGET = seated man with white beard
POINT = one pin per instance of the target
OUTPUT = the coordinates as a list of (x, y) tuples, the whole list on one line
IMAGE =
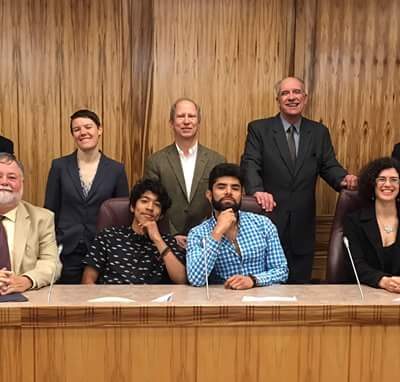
[(28, 248), (237, 248)]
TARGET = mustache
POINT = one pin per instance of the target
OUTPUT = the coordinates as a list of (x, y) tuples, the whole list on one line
[(5, 189)]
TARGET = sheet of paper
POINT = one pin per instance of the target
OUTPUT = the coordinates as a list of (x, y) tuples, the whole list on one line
[(111, 299), (396, 299), (269, 299), (164, 298)]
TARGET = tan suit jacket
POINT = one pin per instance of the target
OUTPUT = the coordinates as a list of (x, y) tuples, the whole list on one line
[(35, 248), (186, 211)]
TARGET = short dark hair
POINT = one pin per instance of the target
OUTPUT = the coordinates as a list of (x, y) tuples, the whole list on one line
[(172, 111), (153, 186), (225, 169), (369, 173), (84, 113)]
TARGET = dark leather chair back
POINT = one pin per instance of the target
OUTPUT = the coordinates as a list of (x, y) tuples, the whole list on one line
[(249, 204), (114, 212), (339, 269)]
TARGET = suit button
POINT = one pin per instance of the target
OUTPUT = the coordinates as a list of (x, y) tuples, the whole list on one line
[(185, 211)]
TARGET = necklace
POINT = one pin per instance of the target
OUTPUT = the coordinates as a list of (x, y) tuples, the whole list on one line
[(388, 228)]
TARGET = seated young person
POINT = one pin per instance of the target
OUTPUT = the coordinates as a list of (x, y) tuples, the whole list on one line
[(242, 249), (138, 254), (373, 231)]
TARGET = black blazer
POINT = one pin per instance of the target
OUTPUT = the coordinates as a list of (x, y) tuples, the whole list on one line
[(361, 228), (267, 166), (6, 145), (396, 151), (75, 216)]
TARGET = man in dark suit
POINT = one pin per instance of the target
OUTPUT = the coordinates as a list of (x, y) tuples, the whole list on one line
[(183, 169), (396, 151), (282, 160), (6, 145)]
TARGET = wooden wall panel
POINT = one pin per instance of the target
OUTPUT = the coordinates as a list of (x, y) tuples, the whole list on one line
[(351, 65), (38, 96), (9, 63), (226, 55)]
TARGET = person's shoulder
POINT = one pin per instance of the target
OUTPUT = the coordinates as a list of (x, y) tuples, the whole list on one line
[(111, 162), (33, 210), (212, 153), (314, 124), (264, 122), (160, 154), (256, 220), (202, 227)]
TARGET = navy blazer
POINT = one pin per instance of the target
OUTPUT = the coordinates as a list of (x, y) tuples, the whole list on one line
[(267, 166), (362, 230), (75, 215)]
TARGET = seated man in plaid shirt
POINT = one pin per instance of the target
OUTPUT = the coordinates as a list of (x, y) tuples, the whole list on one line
[(240, 249)]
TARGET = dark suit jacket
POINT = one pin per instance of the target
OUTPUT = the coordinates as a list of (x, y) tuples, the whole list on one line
[(361, 228), (75, 216), (165, 166), (6, 145), (267, 167), (396, 151)]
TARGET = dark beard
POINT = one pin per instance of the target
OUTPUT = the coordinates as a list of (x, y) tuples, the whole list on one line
[(219, 206)]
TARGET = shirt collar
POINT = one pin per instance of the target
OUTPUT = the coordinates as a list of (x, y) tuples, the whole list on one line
[(11, 215), (192, 150), (286, 124)]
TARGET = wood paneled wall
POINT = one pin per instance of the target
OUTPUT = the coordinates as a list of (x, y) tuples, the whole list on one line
[(130, 59)]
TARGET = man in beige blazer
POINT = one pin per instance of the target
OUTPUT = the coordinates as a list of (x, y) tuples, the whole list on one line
[(183, 170), (28, 249)]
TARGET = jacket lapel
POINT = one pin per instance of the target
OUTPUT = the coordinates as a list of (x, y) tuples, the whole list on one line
[(174, 161), (304, 144), (281, 142), (100, 175), (73, 171), (201, 162), (22, 229), (371, 229)]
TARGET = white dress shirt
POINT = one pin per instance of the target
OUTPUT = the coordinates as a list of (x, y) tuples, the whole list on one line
[(188, 163)]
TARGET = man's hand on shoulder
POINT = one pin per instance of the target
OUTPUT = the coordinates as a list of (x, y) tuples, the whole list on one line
[(239, 282), (350, 182), (265, 200)]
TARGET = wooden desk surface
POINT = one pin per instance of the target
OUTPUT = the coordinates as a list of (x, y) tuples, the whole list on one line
[(316, 304), (327, 335)]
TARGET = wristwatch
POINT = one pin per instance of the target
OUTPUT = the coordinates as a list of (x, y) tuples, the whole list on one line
[(254, 278)]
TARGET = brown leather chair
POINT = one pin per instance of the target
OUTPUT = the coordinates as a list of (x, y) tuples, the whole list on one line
[(339, 269), (115, 212)]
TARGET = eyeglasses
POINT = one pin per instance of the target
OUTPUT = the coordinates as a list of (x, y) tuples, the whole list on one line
[(381, 180)]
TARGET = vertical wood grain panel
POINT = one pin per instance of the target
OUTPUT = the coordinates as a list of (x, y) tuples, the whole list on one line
[(224, 54), (352, 66), (38, 99), (9, 64)]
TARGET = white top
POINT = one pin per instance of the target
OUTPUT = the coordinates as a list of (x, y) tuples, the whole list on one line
[(188, 163)]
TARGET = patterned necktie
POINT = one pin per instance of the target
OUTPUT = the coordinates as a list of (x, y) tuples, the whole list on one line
[(4, 252), (291, 143)]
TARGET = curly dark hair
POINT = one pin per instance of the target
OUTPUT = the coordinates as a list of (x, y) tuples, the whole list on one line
[(369, 173), (153, 186)]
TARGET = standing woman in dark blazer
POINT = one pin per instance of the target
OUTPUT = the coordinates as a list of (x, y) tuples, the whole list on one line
[(373, 231), (76, 187)]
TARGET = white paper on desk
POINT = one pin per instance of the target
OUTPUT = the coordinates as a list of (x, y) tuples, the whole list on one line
[(111, 299), (164, 298), (269, 299), (396, 299)]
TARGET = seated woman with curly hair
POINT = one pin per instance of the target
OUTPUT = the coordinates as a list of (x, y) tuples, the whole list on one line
[(373, 231)]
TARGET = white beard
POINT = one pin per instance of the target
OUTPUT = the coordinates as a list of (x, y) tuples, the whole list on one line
[(9, 197)]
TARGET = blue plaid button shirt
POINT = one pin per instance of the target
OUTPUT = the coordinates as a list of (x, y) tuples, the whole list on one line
[(261, 252)]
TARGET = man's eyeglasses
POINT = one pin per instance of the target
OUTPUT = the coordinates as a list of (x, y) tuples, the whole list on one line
[(381, 180)]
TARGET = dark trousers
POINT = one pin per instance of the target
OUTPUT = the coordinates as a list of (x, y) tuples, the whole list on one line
[(72, 269), (300, 265)]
